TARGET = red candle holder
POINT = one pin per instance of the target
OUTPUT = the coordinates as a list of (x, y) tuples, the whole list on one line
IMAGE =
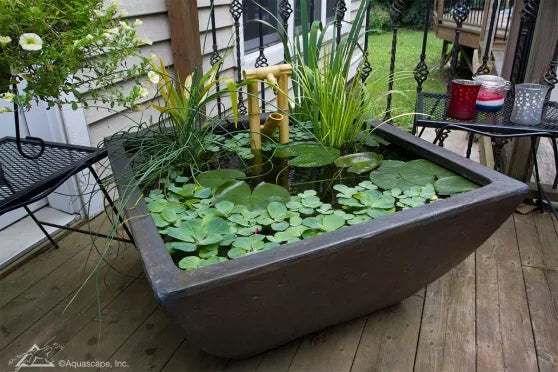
[(463, 98)]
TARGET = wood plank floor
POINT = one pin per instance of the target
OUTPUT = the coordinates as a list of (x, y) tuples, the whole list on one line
[(496, 311)]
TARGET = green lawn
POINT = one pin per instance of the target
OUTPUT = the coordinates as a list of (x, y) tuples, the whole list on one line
[(409, 44)]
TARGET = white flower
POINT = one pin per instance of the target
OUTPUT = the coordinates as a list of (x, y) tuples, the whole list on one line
[(153, 77), (114, 3), (89, 37), (143, 92), (4, 109), (153, 57), (137, 22), (112, 30), (30, 41), (5, 40), (123, 13), (124, 25), (99, 13), (8, 96), (146, 41), (106, 35)]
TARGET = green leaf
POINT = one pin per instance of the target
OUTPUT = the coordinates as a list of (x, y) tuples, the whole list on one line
[(422, 172), (280, 226), (243, 242), (307, 154), (360, 162), (239, 193), (159, 221), (454, 185), (332, 222), (183, 246), (224, 207), (277, 211), (180, 234), (209, 251), (203, 193), (189, 263), (215, 178), (169, 214), (236, 253)]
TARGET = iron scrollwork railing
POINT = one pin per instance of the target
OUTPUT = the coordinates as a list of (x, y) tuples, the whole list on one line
[(215, 56), (366, 68), (483, 68), (340, 10), (396, 13), (285, 11), (236, 11)]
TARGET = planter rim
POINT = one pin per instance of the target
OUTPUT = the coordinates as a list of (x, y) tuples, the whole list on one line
[(168, 280)]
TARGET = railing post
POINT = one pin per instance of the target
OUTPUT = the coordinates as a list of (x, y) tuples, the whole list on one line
[(528, 18), (340, 9), (261, 61), (460, 12), (421, 70), (215, 56), (488, 38), (550, 77), (366, 68), (396, 12), (236, 10), (285, 11)]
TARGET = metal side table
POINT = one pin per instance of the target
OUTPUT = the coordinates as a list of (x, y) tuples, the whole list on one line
[(26, 179)]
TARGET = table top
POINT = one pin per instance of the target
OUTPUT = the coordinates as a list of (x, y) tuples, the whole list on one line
[(432, 109), (23, 179)]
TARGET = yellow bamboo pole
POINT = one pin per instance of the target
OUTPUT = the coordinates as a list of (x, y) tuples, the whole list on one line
[(254, 117)]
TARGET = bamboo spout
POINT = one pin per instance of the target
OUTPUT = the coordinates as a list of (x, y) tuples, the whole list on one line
[(279, 76), (271, 123)]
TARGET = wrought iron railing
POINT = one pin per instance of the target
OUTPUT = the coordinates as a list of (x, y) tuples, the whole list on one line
[(286, 22)]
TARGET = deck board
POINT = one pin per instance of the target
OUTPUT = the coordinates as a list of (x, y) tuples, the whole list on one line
[(497, 310)]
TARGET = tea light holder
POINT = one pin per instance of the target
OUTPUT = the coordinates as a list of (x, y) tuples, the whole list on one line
[(463, 97), (529, 103)]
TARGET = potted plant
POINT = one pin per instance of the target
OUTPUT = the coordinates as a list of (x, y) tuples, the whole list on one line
[(68, 52), (248, 247)]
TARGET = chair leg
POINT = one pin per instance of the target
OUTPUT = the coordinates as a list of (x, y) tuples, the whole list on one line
[(52, 241), (555, 149), (107, 196), (470, 145)]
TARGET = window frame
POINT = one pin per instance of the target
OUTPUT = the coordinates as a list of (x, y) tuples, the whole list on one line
[(275, 52)]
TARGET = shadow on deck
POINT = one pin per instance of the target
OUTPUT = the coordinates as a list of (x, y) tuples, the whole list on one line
[(497, 310)]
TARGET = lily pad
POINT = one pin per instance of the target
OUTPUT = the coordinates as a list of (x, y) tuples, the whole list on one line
[(360, 162), (215, 178), (239, 193), (421, 172), (454, 185), (389, 178), (371, 140), (307, 154)]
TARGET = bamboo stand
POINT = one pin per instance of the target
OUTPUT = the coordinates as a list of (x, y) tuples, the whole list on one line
[(278, 75)]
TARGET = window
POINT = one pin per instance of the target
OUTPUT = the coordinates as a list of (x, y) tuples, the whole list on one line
[(269, 10)]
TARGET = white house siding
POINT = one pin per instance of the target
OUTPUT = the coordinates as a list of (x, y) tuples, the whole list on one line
[(103, 122)]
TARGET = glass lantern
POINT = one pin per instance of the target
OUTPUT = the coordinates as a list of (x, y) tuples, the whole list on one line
[(463, 98), (528, 104)]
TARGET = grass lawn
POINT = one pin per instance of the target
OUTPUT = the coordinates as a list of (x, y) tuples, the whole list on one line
[(409, 44)]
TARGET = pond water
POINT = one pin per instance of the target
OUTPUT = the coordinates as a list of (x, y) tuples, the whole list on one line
[(245, 202)]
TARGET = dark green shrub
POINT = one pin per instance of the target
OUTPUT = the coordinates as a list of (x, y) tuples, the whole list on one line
[(414, 14)]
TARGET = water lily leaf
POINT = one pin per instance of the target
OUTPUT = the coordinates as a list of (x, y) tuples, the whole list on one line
[(186, 190), (421, 172), (189, 263), (277, 211), (209, 251), (236, 253), (360, 162), (239, 192), (371, 140), (391, 164), (280, 226), (389, 178), (203, 193), (159, 221), (307, 154), (182, 246), (169, 214), (215, 178), (332, 222), (454, 185), (224, 208), (180, 234)]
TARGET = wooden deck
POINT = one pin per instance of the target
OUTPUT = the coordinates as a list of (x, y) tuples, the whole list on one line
[(496, 311)]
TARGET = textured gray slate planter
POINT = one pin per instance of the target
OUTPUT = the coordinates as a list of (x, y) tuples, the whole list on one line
[(248, 305)]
